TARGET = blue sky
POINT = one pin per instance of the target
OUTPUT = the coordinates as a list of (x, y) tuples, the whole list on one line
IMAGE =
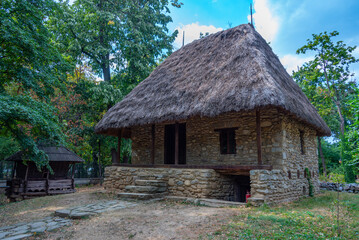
[(286, 24)]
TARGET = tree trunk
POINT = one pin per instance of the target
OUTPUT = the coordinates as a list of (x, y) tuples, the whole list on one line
[(322, 156), (106, 71)]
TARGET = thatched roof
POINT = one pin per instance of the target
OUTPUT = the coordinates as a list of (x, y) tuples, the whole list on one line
[(231, 70), (56, 154)]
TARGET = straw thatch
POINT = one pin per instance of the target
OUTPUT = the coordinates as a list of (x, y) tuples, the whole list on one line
[(232, 70), (56, 154)]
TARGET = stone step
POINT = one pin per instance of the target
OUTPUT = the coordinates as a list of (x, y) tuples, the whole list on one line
[(139, 196), (147, 176), (155, 183), (145, 189)]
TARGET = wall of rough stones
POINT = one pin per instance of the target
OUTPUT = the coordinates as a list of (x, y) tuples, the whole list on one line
[(198, 183), (281, 148), (340, 187), (288, 182), (202, 141)]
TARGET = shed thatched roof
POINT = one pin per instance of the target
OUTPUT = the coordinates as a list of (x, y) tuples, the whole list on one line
[(56, 154), (232, 70)]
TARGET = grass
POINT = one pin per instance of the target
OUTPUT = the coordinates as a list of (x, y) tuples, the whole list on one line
[(309, 218)]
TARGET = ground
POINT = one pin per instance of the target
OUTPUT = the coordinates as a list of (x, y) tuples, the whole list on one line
[(309, 218)]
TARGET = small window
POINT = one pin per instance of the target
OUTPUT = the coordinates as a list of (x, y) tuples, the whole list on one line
[(298, 174), (289, 174), (301, 135), (227, 140)]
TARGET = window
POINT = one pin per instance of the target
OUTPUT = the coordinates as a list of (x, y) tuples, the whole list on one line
[(301, 135), (227, 140)]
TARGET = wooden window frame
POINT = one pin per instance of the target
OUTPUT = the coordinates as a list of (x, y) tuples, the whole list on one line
[(228, 143)]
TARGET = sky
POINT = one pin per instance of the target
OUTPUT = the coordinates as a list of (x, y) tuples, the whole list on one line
[(285, 24)]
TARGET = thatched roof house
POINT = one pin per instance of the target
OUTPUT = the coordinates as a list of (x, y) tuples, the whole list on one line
[(232, 70), (226, 105)]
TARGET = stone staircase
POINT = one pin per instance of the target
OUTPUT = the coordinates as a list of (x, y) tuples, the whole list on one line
[(146, 186)]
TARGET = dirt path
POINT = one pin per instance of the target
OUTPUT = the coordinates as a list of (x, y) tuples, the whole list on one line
[(32, 209), (158, 220)]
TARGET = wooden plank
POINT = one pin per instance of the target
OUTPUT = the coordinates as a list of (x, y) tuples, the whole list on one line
[(153, 134), (176, 143), (62, 191), (259, 137), (215, 167)]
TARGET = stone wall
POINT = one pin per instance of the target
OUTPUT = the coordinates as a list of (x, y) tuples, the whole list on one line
[(289, 182), (202, 141), (281, 148), (198, 183), (294, 162), (340, 187), (274, 186)]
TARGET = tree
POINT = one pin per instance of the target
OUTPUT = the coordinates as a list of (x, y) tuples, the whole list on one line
[(352, 135), (329, 71), (327, 82), (30, 68), (120, 35)]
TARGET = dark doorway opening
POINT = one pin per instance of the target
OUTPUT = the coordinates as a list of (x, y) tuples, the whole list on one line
[(242, 185), (170, 141)]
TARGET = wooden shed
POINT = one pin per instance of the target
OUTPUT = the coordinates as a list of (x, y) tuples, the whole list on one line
[(27, 181)]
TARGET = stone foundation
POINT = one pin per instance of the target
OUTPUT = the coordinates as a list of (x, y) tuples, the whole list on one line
[(195, 183), (275, 186)]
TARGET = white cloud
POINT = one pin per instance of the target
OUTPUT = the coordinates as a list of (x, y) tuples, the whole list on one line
[(265, 21), (192, 32), (292, 62)]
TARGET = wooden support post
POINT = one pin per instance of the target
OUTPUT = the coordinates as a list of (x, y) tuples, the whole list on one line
[(47, 181), (176, 142), (259, 138), (14, 170), (73, 176), (153, 143), (26, 175), (119, 146)]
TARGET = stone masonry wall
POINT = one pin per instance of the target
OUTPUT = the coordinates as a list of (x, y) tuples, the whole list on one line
[(281, 148), (197, 183), (289, 183), (202, 141)]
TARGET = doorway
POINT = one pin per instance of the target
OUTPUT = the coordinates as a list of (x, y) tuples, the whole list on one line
[(241, 187), (170, 144)]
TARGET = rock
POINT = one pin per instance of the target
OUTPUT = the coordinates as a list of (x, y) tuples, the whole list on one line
[(63, 212), (20, 236)]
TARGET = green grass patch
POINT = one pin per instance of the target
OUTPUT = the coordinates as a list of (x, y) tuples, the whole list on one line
[(309, 218)]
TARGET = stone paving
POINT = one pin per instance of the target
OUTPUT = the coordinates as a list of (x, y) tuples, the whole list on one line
[(22, 230), (63, 218), (93, 209)]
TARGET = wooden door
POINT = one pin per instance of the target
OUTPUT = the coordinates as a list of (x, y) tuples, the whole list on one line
[(170, 141)]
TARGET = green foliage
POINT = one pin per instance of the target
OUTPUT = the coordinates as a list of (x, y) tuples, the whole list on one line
[(352, 134), (310, 185), (310, 218), (326, 80), (30, 69), (8, 146), (124, 36), (328, 83), (28, 120)]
